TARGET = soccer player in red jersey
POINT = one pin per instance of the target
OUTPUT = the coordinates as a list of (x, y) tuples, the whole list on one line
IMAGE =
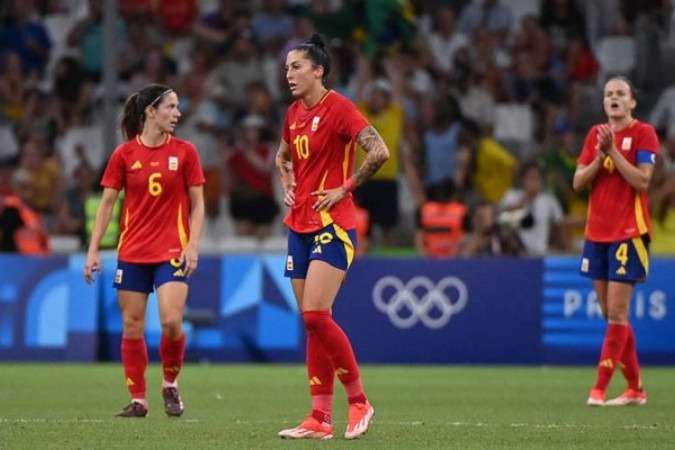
[(315, 159), (161, 222), (617, 162)]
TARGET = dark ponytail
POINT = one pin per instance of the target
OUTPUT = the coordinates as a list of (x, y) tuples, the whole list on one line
[(315, 48), (133, 115)]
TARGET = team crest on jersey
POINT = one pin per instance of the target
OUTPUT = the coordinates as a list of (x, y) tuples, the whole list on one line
[(289, 263), (173, 162), (315, 123), (626, 143), (118, 276)]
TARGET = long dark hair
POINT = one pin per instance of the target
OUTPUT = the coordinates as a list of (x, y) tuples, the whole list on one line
[(133, 116), (315, 48)]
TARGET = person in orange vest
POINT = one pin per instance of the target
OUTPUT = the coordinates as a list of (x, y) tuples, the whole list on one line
[(440, 222), (21, 227)]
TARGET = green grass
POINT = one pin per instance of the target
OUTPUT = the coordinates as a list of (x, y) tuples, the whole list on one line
[(418, 407)]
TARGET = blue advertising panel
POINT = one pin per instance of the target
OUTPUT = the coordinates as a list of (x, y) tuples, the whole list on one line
[(573, 326), (443, 311), (47, 311)]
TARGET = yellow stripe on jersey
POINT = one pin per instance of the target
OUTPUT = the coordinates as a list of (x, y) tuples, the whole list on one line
[(126, 228), (639, 215), (347, 242), (641, 251), (326, 218), (182, 235)]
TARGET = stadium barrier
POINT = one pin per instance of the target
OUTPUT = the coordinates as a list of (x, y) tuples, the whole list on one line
[(396, 310)]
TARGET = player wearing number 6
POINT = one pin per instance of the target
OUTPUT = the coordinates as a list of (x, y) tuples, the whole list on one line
[(161, 222), (617, 161), (315, 160)]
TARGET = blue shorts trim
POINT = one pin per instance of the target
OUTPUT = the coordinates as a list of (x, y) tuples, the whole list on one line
[(147, 277), (624, 261), (331, 244)]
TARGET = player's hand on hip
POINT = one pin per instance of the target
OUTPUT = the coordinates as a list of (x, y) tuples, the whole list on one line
[(327, 198)]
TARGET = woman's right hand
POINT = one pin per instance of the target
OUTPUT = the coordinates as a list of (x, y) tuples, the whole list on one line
[(92, 265), (289, 194)]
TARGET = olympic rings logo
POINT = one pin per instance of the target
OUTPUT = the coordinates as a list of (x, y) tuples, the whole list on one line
[(420, 300)]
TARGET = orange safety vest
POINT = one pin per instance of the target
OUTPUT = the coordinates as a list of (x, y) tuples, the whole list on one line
[(441, 225), (31, 239)]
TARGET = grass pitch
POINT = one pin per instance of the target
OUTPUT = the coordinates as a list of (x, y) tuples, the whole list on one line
[(48, 406)]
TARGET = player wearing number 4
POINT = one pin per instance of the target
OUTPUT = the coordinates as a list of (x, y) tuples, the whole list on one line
[(162, 218), (617, 161), (315, 160)]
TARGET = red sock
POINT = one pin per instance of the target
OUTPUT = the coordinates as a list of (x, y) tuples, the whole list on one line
[(321, 379), (336, 344), (171, 353), (629, 362), (135, 361), (612, 349)]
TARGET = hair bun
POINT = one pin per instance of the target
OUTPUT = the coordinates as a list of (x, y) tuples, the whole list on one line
[(317, 40)]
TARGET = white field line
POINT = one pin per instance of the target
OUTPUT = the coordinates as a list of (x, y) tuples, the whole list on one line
[(567, 426)]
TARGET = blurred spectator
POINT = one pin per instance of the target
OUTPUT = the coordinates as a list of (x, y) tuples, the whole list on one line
[(442, 142), (156, 68), (440, 224), (73, 93), (272, 25), (562, 19), (531, 210), (218, 27), (495, 167), (12, 86), (662, 115), (251, 167), (241, 66), (495, 16), (380, 103), (71, 219), (177, 16), (45, 176), (204, 125), (486, 237), (87, 38), (27, 37), (38, 118), (21, 227), (444, 41), (582, 76), (362, 230)]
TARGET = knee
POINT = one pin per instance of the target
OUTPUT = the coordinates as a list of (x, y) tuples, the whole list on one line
[(133, 325), (315, 319), (172, 326), (615, 316)]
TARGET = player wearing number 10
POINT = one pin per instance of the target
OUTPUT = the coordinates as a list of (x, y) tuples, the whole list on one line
[(161, 223), (315, 160), (617, 161)]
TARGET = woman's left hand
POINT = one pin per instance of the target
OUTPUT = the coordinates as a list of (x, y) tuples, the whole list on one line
[(327, 198), (190, 256)]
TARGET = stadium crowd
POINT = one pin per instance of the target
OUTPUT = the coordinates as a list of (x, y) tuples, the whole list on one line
[(483, 104)]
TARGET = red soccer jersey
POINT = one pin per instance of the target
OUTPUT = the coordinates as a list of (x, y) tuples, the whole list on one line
[(322, 140), (616, 211), (155, 216)]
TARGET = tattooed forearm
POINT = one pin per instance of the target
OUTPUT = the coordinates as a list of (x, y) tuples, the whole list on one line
[(371, 141), (284, 165)]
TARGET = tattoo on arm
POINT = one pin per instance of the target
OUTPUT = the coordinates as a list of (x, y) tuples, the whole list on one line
[(371, 141)]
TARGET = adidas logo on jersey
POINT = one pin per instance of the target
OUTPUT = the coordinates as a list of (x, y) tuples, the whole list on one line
[(137, 165)]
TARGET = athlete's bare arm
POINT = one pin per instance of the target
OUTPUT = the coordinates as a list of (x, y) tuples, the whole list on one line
[(285, 168), (378, 153)]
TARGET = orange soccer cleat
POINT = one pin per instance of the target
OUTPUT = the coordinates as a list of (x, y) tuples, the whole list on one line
[(629, 397), (596, 398), (310, 428), (360, 415)]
